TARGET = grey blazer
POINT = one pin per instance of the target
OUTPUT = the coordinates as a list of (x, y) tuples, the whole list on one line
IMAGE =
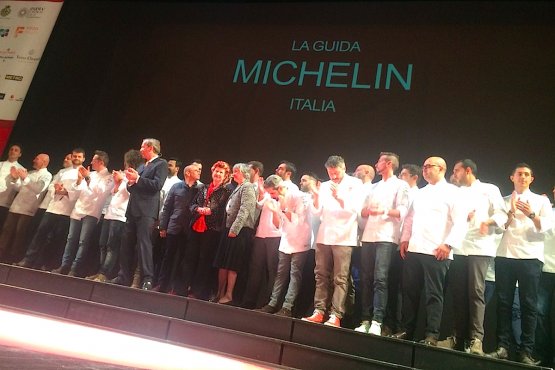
[(241, 207)]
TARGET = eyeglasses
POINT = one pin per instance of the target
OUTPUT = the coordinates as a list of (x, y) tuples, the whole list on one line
[(427, 166)]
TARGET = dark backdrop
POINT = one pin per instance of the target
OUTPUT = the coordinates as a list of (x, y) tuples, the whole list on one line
[(483, 84)]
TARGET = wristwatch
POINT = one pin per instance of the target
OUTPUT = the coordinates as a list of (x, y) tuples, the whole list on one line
[(532, 215)]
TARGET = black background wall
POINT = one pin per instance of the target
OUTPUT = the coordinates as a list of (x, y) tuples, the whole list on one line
[(482, 86)]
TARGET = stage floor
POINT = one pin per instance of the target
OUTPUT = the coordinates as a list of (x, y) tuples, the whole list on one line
[(34, 342)]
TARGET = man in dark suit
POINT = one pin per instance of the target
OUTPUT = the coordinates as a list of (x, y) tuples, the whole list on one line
[(144, 186)]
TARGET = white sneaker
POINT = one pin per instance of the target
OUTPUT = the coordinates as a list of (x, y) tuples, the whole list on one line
[(375, 328), (364, 327)]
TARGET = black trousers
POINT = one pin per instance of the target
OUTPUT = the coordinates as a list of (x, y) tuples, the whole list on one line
[(423, 272)]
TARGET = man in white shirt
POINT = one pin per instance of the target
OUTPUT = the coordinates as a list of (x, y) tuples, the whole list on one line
[(434, 225), (410, 173), (520, 257), (337, 203), (385, 207), (7, 193), (286, 170), (174, 165), (256, 170), (365, 173), (264, 256), (467, 273), (90, 191), (544, 333), (54, 225), (292, 214), (30, 187)]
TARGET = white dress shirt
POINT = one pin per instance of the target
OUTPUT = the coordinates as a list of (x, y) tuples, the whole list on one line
[(118, 204), (435, 217), (549, 250), (62, 204), (521, 239), (7, 192), (170, 181), (484, 201), (366, 189), (266, 227), (390, 194), (49, 195), (90, 198), (30, 192), (296, 234), (412, 193), (338, 225), (290, 185)]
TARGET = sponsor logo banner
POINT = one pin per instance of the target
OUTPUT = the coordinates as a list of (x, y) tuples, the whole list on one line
[(25, 28)]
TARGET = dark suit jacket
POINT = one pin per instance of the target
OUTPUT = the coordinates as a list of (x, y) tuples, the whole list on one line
[(144, 199), (176, 216)]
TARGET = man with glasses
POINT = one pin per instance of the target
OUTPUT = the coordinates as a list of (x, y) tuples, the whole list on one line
[(434, 225)]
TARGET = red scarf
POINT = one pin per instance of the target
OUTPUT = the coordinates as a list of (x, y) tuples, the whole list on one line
[(200, 224)]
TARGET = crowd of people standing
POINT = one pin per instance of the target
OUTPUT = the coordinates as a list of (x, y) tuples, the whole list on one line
[(246, 240)]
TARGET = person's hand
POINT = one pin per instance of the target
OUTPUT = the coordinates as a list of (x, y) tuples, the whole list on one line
[(22, 173), (514, 200), (163, 233), (442, 252), (117, 175), (85, 172), (13, 173), (403, 247), (132, 175), (524, 207), (484, 228)]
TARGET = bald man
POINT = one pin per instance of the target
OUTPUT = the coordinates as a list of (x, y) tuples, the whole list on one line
[(365, 173), (434, 225), (29, 187)]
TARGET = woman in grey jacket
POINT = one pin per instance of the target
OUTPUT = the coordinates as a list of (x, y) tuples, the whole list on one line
[(240, 220)]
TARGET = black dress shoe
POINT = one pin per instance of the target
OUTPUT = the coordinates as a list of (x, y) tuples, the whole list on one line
[(117, 280), (429, 341), (61, 270), (22, 263), (500, 353), (147, 285), (400, 335)]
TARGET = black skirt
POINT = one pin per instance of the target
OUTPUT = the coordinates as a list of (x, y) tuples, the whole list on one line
[(233, 253)]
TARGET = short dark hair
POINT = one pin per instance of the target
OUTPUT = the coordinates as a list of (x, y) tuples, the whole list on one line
[(289, 167), (469, 163), (78, 150), (414, 169), (103, 156), (258, 166), (17, 145), (393, 158), (133, 158), (525, 165), (313, 175), (178, 163)]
